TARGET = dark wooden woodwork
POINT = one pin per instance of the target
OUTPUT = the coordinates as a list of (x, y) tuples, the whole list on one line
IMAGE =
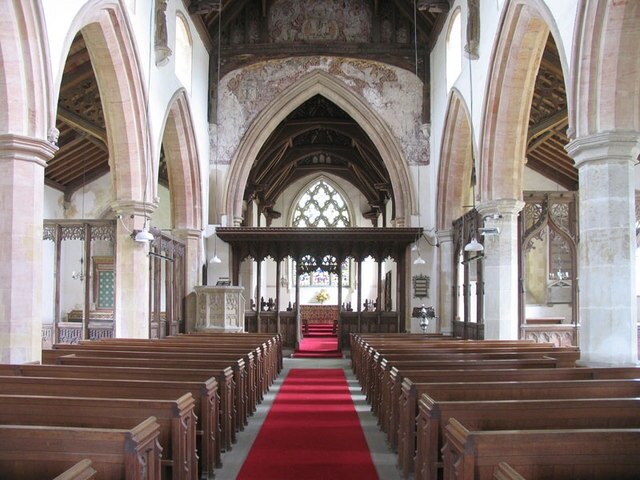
[(45, 452)]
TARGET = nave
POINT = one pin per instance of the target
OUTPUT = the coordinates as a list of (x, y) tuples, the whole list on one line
[(384, 460)]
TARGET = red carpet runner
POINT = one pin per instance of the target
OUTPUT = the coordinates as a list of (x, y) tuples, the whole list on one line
[(311, 432), (318, 342)]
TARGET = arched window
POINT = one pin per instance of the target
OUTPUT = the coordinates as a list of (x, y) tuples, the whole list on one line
[(454, 49), (183, 52), (321, 206)]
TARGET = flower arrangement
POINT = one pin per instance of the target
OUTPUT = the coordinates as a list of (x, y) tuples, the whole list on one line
[(322, 296)]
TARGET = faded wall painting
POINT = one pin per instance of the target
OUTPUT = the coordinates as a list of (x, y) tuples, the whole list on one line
[(320, 20)]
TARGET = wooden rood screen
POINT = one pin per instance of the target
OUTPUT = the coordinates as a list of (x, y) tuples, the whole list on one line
[(80, 270)]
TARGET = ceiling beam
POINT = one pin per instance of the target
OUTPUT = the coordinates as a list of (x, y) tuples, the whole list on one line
[(548, 123), (82, 124)]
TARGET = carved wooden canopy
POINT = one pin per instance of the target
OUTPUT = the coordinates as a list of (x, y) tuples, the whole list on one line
[(341, 243)]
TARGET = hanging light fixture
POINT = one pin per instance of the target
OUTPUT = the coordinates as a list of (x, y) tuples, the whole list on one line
[(216, 258), (473, 245)]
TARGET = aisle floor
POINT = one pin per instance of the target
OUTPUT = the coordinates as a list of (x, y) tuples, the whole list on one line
[(384, 460)]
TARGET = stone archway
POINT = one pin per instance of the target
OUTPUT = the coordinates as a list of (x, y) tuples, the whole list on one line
[(522, 36), (454, 190), (455, 164), (109, 40), (185, 181), (25, 85), (514, 66), (320, 83)]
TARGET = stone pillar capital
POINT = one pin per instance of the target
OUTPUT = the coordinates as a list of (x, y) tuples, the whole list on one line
[(26, 149), (444, 236), (503, 206), (614, 145), (133, 207), (188, 233)]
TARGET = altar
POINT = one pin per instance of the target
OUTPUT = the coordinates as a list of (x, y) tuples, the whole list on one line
[(319, 313)]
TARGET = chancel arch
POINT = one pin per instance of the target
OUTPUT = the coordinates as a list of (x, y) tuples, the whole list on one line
[(323, 84)]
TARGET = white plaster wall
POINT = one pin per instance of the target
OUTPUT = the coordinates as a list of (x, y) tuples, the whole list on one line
[(532, 180), (53, 203), (161, 217)]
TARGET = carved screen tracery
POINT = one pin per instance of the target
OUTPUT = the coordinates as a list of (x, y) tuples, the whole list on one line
[(549, 256)]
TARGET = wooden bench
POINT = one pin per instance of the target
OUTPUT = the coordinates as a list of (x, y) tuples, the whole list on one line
[(263, 357), (176, 358), (231, 420), (176, 420), (83, 470), (253, 367), (504, 471), (204, 395), (514, 415), (39, 452), (381, 368), (542, 454), (477, 391), (392, 388)]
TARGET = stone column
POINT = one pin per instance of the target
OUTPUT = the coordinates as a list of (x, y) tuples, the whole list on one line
[(22, 162), (606, 252), (132, 272), (446, 266), (501, 269), (192, 238)]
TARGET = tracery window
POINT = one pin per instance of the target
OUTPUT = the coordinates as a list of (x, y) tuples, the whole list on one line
[(454, 50), (322, 206), (183, 52)]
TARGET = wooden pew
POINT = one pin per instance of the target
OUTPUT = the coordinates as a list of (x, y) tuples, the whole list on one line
[(392, 388), (476, 391), (504, 471), (230, 390), (175, 358), (542, 454), (253, 381), (39, 452), (514, 415), (204, 394), (474, 360), (83, 470), (176, 419), (265, 355)]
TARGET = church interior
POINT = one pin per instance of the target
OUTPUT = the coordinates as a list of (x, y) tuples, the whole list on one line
[(280, 239)]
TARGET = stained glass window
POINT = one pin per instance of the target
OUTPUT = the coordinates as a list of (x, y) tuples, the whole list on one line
[(322, 206)]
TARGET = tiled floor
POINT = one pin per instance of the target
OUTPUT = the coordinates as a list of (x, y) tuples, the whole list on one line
[(384, 460)]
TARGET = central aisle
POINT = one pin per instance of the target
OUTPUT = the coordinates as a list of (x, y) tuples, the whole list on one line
[(385, 462), (311, 432)]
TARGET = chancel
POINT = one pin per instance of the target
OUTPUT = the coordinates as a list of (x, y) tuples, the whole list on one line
[(319, 239)]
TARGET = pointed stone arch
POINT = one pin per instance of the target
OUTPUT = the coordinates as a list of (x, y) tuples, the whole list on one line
[(109, 40), (183, 165), (320, 83), (521, 40), (25, 82), (455, 164), (606, 68)]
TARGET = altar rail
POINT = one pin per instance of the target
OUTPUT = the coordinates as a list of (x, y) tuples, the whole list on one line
[(319, 313)]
